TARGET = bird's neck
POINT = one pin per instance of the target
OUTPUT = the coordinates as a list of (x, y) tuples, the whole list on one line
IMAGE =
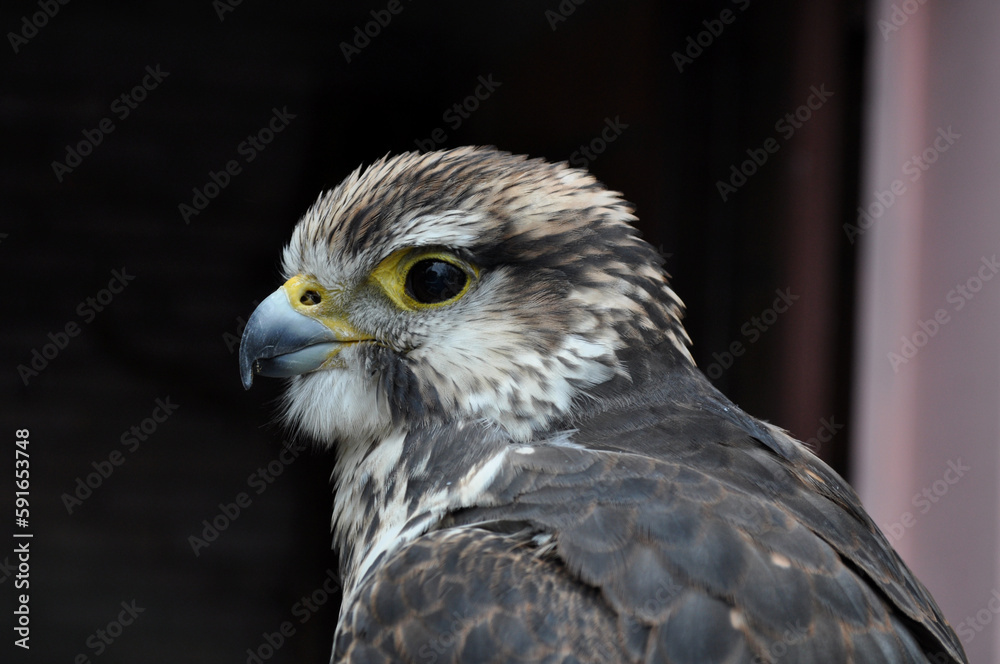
[(369, 506), (390, 491)]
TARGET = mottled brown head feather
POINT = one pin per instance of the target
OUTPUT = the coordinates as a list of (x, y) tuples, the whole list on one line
[(567, 285)]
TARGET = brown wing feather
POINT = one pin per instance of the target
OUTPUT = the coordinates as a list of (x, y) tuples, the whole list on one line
[(471, 595), (719, 550)]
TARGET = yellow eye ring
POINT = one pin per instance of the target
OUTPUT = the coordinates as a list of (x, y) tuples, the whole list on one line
[(394, 277)]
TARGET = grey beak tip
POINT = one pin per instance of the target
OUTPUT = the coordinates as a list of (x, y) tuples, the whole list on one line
[(246, 365), (280, 342)]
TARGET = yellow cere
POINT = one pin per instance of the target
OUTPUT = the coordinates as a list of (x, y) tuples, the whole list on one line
[(309, 298), (391, 275)]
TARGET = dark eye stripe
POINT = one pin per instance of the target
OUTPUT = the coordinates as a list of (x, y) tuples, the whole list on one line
[(432, 281)]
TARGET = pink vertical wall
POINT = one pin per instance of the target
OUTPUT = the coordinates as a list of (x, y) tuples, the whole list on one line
[(927, 455)]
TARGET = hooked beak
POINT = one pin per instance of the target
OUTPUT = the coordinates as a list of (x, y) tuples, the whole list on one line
[(295, 330)]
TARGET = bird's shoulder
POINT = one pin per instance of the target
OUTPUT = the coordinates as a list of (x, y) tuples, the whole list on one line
[(474, 595), (671, 531)]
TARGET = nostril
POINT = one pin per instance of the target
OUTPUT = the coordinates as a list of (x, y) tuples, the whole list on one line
[(310, 298)]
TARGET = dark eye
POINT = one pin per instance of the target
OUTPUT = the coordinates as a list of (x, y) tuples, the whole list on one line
[(431, 281)]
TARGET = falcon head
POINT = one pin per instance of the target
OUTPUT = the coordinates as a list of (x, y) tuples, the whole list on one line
[(456, 286)]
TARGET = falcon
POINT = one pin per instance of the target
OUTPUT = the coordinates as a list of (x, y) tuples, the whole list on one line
[(529, 465)]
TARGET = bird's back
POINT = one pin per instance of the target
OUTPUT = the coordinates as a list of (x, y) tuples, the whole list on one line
[(688, 531)]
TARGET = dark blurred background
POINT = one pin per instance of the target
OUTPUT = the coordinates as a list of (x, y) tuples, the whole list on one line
[(662, 101)]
